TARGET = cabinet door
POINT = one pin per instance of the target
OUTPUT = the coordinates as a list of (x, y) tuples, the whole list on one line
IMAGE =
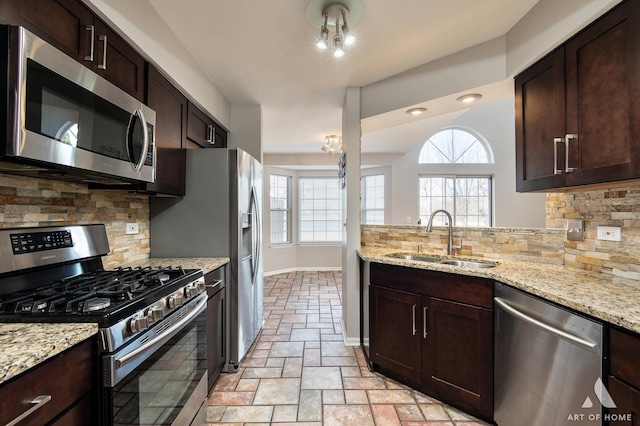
[(540, 121), (393, 335), (67, 378), (66, 24), (457, 362), (627, 399), (602, 68), (215, 336), (202, 130), (117, 62), (170, 133)]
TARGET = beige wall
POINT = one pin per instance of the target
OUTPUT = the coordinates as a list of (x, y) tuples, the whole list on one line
[(40, 202)]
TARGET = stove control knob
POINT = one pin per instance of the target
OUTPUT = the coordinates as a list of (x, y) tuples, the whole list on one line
[(201, 286), (138, 324), (174, 301), (155, 314), (190, 291)]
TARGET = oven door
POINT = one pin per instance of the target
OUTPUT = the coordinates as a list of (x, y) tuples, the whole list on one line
[(162, 377)]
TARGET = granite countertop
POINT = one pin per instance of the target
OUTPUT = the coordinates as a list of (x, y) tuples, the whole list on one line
[(25, 345), (611, 299), (207, 264)]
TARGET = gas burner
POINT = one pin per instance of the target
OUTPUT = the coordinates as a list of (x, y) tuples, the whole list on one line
[(96, 304)]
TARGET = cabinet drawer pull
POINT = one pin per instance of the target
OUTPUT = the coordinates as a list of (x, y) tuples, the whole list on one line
[(103, 65), (556, 170), (210, 133), (92, 30), (413, 308), (567, 138), (38, 403), (424, 322)]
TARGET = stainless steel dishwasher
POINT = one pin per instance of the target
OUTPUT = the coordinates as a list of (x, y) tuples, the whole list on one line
[(548, 363)]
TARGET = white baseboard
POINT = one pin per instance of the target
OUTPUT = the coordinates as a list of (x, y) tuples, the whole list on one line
[(305, 269), (348, 341)]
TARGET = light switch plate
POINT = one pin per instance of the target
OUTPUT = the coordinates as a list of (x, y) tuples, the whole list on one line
[(575, 230), (132, 228), (609, 233)]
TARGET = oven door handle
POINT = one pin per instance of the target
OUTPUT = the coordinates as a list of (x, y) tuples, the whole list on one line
[(166, 335)]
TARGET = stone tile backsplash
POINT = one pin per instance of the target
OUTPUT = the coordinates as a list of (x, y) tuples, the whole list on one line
[(619, 206), (41, 202), (526, 244), (601, 207)]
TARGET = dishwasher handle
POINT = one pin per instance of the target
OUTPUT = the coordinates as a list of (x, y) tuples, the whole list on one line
[(561, 334)]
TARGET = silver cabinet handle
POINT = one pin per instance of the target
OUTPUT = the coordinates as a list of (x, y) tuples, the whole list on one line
[(556, 170), (424, 322), (567, 138), (210, 134), (413, 309), (561, 334), (92, 30), (103, 65), (37, 404)]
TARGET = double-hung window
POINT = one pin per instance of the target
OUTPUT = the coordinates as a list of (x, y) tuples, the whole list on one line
[(280, 209), (320, 203), (373, 199)]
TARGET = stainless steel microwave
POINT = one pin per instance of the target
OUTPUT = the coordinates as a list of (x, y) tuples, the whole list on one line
[(64, 121)]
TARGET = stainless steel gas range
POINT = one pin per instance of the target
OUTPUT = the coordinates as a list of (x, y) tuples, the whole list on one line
[(151, 347)]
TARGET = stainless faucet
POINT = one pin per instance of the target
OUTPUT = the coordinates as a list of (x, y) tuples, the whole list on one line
[(450, 246)]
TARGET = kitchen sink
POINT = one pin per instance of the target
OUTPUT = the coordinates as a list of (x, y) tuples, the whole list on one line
[(467, 263), (415, 257), (437, 259)]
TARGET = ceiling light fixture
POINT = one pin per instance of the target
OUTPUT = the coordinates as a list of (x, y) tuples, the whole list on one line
[(470, 97), (326, 15), (416, 111), (331, 144)]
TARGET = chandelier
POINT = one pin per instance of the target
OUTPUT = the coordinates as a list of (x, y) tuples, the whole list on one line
[(332, 143), (332, 18)]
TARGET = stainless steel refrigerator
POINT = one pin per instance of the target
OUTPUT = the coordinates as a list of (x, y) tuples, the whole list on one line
[(220, 216)]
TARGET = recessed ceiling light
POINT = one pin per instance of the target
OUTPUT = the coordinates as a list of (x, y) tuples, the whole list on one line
[(416, 111), (470, 97)]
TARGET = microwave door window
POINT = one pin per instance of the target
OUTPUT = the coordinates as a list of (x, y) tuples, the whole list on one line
[(52, 110), (109, 130)]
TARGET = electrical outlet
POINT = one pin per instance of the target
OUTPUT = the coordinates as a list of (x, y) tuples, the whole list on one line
[(408, 219), (609, 233), (132, 228)]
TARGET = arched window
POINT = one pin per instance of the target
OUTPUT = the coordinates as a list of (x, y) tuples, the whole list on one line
[(467, 197), (455, 146)]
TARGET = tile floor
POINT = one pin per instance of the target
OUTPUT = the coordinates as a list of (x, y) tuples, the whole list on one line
[(299, 372)]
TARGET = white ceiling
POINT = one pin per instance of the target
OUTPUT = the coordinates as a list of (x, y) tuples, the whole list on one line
[(259, 51)]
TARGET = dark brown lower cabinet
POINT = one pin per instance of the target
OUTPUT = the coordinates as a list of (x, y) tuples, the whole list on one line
[(624, 381), (395, 327), (458, 345), (66, 379), (216, 324), (434, 332)]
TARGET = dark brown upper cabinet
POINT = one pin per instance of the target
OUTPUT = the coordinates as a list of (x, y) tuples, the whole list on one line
[(75, 30), (170, 106), (202, 130), (577, 114)]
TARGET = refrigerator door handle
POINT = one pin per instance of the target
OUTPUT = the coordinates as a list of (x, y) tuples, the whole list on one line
[(258, 240)]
